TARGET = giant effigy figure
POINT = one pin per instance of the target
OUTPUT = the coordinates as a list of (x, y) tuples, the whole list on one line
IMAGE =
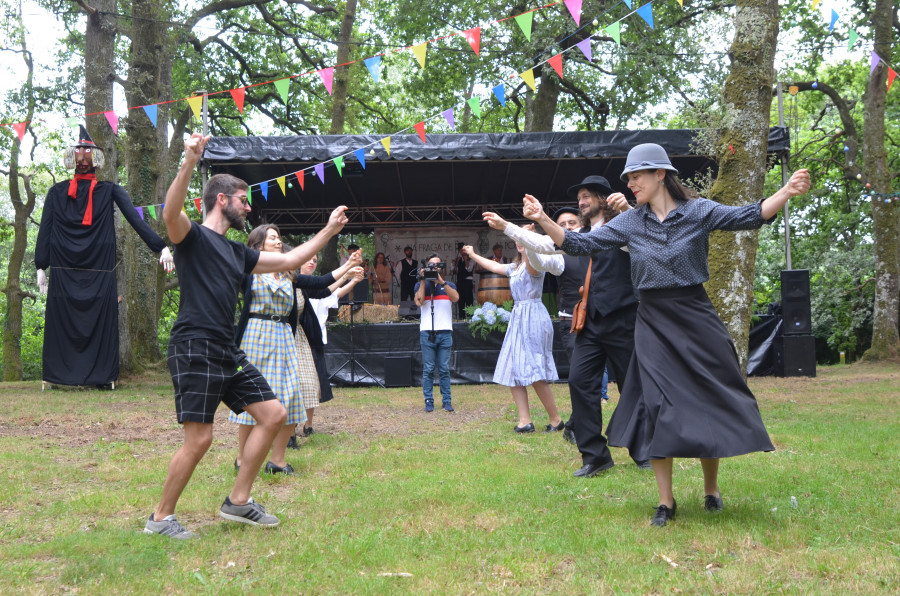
[(77, 241)]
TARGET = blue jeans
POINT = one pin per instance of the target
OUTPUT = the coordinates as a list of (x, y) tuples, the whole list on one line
[(604, 384), (436, 352)]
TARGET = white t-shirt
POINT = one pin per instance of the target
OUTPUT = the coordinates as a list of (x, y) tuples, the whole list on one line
[(443, 308), (320, 306)]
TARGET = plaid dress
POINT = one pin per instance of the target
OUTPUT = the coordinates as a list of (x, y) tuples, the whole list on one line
[(308, 378), (270, 346)]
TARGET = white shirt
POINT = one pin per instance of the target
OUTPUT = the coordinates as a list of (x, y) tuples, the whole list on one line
[(320, 306)]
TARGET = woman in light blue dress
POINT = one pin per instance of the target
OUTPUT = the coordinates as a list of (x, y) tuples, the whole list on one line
[(526, 357)]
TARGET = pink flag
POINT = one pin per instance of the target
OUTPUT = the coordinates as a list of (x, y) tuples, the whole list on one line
[(556, 63), (238, 96), (473, 36), (327, 75), (574, 7), (20, 129), (113, 121), (420, 128)]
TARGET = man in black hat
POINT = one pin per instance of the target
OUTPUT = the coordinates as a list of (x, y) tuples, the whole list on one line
[(77, 238)]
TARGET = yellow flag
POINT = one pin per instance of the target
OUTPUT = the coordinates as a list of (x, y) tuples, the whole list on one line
[(681, 3), (386, 141), (281, 185), (196, 104), (419, 51), (528, 77), (815, 4)]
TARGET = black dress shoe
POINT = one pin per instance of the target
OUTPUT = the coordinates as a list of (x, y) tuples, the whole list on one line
[(712, 503), (528, 428), (591, 470), (287, 470), (569, 435), (292, 443), (552, 429), (663, 515)]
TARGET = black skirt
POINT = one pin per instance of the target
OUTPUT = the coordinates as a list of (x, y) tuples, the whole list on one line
[(684, 394)]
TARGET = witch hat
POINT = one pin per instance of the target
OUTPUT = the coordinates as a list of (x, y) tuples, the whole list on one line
[(84, 139)]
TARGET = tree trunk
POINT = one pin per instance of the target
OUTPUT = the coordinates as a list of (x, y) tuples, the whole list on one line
[(885, 216), (342, 73), (748, 99), (543, 108)]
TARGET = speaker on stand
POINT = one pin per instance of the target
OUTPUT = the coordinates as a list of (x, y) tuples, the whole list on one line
[(795, 350)]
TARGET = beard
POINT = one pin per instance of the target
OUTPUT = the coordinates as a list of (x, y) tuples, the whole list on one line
[(236, 217)]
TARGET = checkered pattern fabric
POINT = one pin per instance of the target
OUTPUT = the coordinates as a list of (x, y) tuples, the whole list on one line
[(270, 347), (309, 378)]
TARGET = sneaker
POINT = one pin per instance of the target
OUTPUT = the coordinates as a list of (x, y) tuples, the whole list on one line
[(307, 430), (429, 406), (448, 407), (712, 503), (252, 513), (167, 527), (663, 515), (552, 429), (287, 470)]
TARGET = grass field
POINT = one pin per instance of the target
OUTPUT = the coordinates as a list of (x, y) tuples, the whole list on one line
[(392, 500)]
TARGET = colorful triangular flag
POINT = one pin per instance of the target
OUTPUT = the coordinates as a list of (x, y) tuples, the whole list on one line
[(113, 120), (327, 76), (151, 113), (585, 47), (448, 116), (420, 51), (280, 181), (815, 3), (851, 39), (374, 66), (574, 7), (420, 128), (524, 21), (196, 103), (528, 77), (646, 13), (875, 60), (473, 36), (249, 196), (282, 86), (320, 172), (386, 143), (339, 164), (20, 129), (238, 96), (140, 211), (475, 106), (500, 94), (627, 3), (198, 203), (300, 178), (361, 156), (152, 210), (556, 63), (891, 76), (614, 31), (834, 19), (264, 189)]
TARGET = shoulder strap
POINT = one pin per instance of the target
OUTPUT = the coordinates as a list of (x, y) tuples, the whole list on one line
[(587, 280)]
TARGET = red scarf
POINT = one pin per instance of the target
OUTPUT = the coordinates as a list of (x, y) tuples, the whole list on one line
[(73, 192)]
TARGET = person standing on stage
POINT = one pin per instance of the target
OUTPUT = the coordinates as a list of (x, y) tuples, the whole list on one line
[(526, 357), (685, 394), (464, 269), (207, 368), (77, 238), (380, 276), (409, 268), (435, 298)]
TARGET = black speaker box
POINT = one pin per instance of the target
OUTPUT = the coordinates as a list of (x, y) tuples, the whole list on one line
[(408, 309), (795, 302), (359, 294), (795, 356), (397, 371)]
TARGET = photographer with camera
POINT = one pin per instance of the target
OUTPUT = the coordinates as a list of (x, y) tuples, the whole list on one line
[(435, 328)]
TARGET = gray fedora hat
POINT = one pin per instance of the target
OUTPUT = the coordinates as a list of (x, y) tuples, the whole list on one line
[(598, 183), (648, 156)]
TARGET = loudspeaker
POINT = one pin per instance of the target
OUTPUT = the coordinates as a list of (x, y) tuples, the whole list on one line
[(408, 309), (795, 306), (397, 371), (359, 295), (795, 356)]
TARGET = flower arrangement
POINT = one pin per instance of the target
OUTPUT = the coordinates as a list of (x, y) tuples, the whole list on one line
[(488, 317)]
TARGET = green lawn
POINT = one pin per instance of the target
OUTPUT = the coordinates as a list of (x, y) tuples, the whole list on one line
[(389, 499)]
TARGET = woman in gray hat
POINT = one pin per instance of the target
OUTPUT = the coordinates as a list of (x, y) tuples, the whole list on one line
[(685, 395)]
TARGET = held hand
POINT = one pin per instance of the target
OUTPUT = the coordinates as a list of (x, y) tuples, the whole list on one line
[(166, 260), (357, 273), (531, 208), (468, 250), (440, 279), (194, 146), (42, 281), (337, 220), (618, 202), (494, 220), (356, 258), (799, 183), (528, 227)]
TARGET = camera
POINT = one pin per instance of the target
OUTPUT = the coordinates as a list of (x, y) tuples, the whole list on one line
[(432, 270)]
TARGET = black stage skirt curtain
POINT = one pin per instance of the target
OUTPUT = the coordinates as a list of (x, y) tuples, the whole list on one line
[(684, 395), (761, 353), (472, 359)]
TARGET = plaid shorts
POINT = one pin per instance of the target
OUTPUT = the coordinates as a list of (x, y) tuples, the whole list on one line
[(206, 373)]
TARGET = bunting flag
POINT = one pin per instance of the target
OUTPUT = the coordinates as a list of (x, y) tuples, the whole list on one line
[(851, 39), (197, 203), (20, 129), (627, 3), (280, 181), (374, 66), (473, 36), (264, 189), (339, 164), (500, 94), (196, 103), (875, 60), (891, 76), (140, 211), (585, 47), (151, 113), (249, 196), (528, 77), (681, 3), (646, 13), (524, 21), (386, 142), (815, 4), (113, 120), (152, 210), (556, 63), (420, 128), (614, 31), (320, 172), (361, 156), (834, 19), (420, 51), (300, 178), (282, 87), (327, 76), (238, 96), (574, 7), (448, 115), (475, 105)]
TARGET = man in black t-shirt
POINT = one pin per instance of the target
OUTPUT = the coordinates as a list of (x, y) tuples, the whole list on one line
[(207, 368)]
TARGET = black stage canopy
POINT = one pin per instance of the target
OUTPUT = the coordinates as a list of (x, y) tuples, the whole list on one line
[(448, 180)]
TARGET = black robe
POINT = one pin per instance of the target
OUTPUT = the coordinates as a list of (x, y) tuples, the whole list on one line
[(81, 327)]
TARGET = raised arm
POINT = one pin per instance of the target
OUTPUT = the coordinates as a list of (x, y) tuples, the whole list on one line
[(355, 276), (177, 222), (798, 184), (532, 209), (486, 264), (270, 262)]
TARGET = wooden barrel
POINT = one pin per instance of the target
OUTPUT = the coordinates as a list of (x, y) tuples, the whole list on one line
[(493, 287)]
